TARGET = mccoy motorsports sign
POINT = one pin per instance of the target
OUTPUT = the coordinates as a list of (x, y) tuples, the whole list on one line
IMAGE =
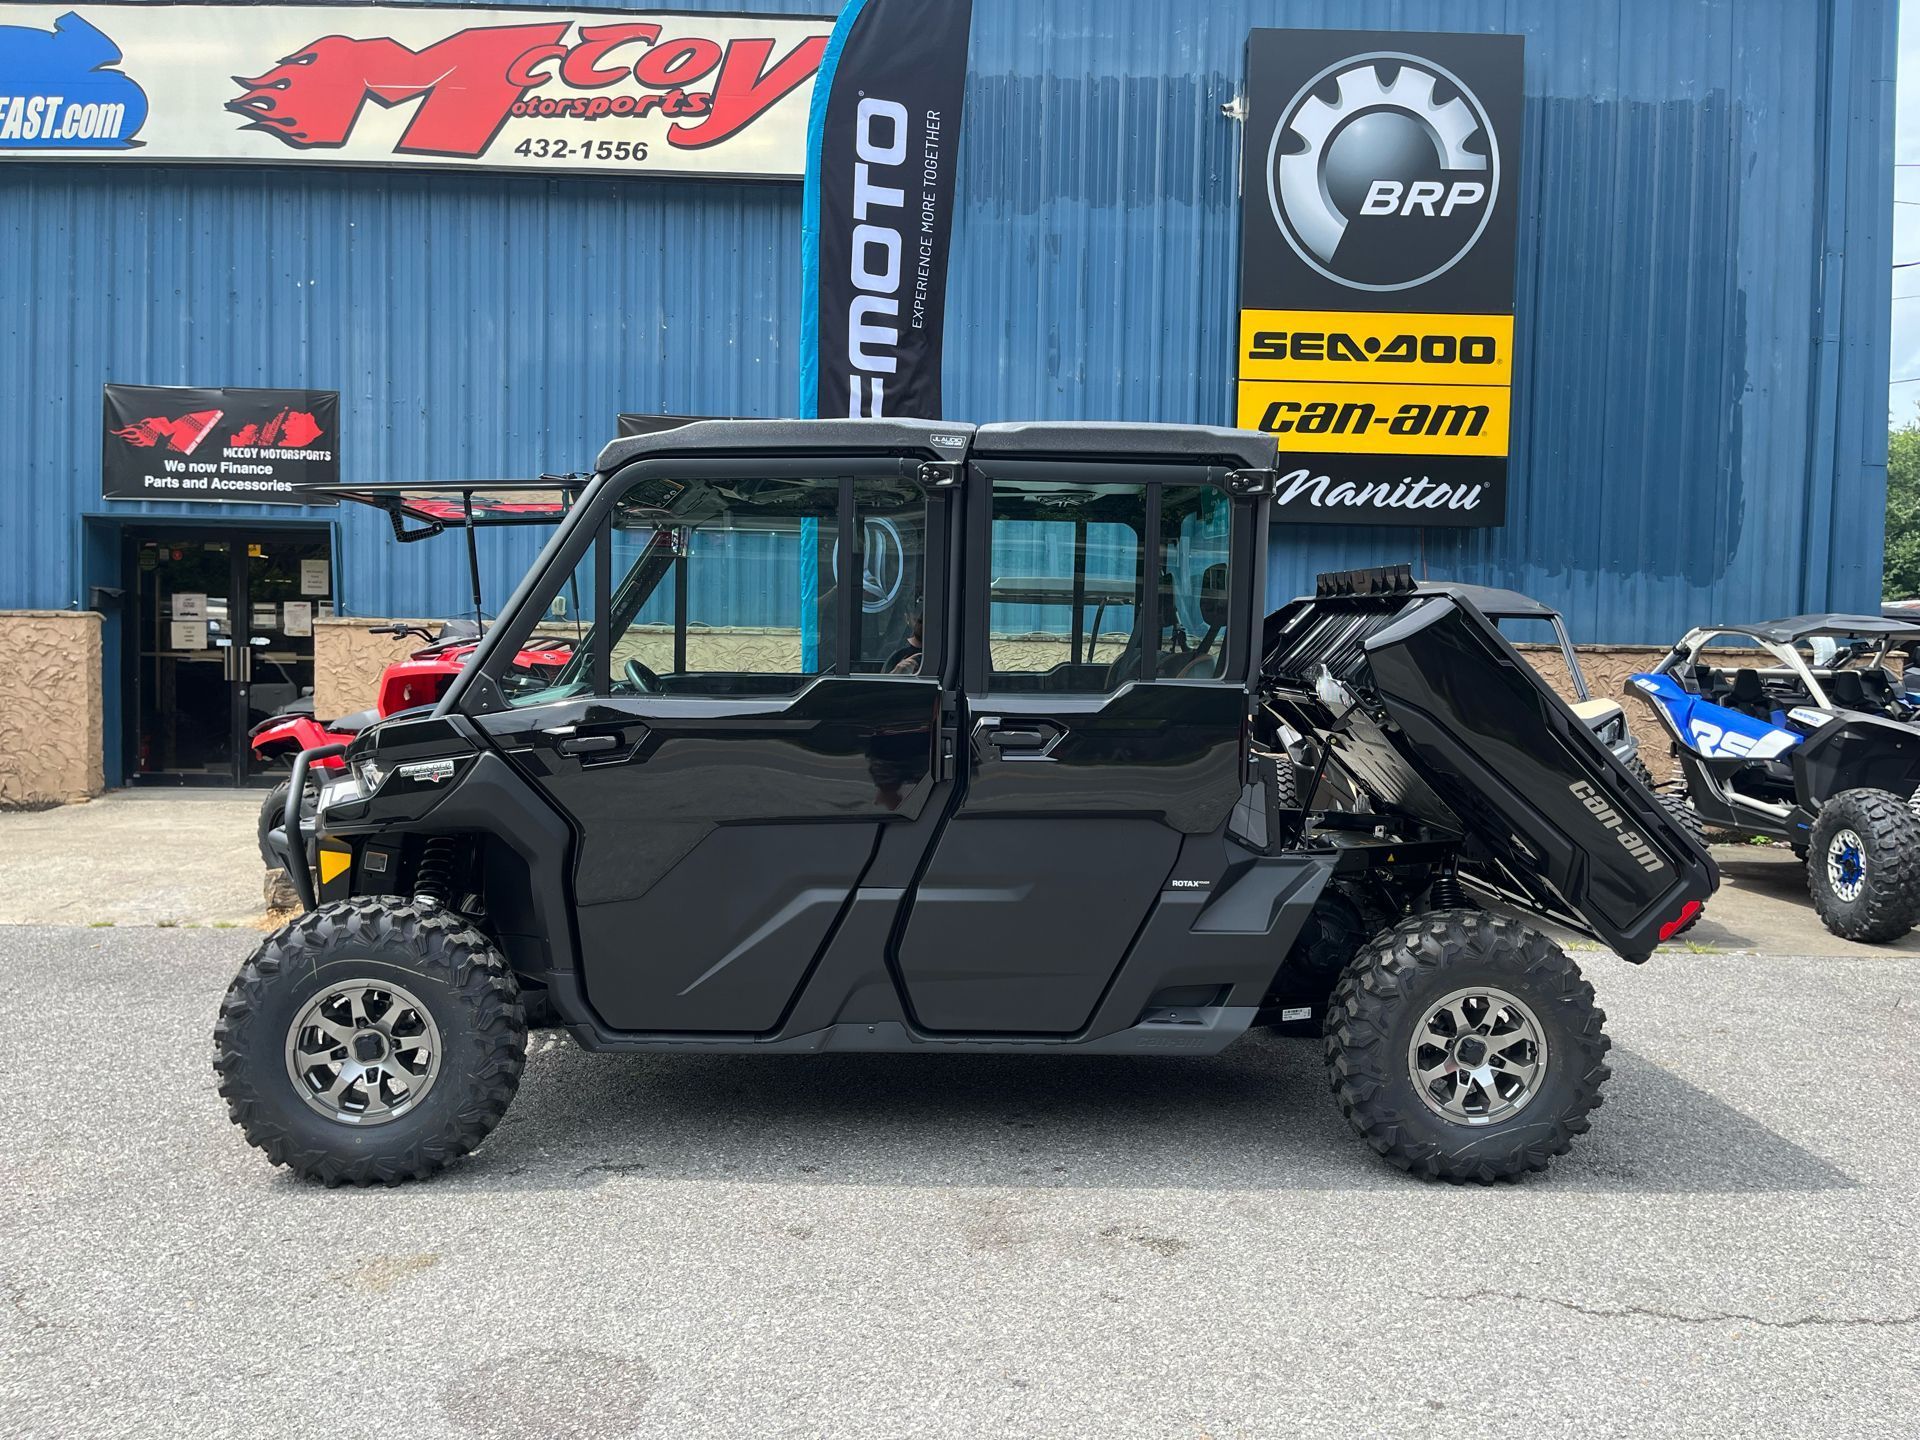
[(1379, 184), (627, 92)]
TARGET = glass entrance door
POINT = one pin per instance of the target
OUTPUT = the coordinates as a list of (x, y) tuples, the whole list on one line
[(223, 637), (289, 582)]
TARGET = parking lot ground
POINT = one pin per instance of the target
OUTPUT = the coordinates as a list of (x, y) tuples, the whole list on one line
[(134, 857), (963, 1246)]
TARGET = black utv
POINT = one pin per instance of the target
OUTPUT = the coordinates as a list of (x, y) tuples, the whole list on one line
[(890, 736)]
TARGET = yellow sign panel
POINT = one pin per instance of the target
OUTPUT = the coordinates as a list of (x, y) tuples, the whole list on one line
[(333, 862), (1354, 347), (1436, 420)]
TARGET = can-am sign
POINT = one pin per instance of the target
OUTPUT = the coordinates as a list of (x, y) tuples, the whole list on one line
[(625, 92)]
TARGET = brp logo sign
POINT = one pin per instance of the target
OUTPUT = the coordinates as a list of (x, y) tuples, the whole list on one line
[(1383, 171)]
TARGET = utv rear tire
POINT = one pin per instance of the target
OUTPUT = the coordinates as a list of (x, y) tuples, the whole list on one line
[(1863, 866), (1680, 810), (1637, 768), (1386, 1001), (461, 1004)]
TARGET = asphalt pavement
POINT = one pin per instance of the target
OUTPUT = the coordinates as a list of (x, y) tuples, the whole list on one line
[(1046, 1246)]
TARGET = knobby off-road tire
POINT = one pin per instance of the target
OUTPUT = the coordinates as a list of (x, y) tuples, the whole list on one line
[(448, 986), (1638, 769), (1680, 810), (1388, 996), (1863, 866)]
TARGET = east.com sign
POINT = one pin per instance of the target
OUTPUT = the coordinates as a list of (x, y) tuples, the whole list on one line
[(627, 92)]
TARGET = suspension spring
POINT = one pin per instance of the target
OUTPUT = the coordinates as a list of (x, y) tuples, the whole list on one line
[(433, 881), (1447, 893)]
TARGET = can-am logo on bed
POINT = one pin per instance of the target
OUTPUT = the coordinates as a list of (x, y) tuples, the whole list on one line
[(625, 92), (1376, 287), (60, 89)]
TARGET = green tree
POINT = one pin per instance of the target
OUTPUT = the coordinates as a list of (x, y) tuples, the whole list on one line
[(1902, 581)]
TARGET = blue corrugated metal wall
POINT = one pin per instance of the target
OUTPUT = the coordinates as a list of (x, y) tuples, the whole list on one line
[(1704, 261)]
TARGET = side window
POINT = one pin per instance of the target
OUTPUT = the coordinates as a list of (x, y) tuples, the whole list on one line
[(1195, 526), (1068, 571), (740, 600), (749, 589), (565, 629), (1064, 577)]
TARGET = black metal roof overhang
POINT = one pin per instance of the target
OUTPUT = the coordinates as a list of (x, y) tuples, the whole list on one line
[(456, 504), (951, 440), (1804, 627)]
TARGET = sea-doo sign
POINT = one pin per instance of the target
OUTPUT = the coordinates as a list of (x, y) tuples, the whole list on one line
[(1376, 319), (625, 92)]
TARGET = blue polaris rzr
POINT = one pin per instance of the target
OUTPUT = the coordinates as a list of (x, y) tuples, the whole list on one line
[(1819, 748)]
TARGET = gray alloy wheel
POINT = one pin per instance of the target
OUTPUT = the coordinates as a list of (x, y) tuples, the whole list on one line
[(1477, 1056), (363, 1052), (1846, 864)]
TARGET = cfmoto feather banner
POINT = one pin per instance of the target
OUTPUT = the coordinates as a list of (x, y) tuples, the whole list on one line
[(883, 137)]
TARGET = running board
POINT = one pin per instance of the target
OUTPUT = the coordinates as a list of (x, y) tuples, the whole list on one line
[(1186, 1031)]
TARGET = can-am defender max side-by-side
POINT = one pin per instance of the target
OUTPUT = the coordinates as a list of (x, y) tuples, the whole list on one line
[(895, 736), (1824, 755)]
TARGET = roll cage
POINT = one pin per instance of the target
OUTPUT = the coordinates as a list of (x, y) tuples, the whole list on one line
[(1791, 680)]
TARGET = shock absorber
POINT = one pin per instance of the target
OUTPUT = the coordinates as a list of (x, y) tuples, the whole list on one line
[(433, 880), (1446, 892)]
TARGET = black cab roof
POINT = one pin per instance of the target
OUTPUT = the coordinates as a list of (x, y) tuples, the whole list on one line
[(952, 440)]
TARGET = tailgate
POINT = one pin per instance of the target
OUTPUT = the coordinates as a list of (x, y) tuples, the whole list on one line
[(1456, 730)]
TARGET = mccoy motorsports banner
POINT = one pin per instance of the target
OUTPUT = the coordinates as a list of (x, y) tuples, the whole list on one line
[(626, 92), (1380, 183), (180, 443)]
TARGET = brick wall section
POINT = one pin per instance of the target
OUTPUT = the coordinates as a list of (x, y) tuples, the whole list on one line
[(1607, 668), (51, 725)]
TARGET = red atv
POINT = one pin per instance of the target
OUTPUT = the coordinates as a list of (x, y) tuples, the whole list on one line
[(419, 680)]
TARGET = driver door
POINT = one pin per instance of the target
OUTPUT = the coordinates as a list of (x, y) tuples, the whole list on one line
[(750, 708)]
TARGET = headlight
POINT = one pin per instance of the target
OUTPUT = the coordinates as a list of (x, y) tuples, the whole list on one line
[(1614, 731), (370, 773)]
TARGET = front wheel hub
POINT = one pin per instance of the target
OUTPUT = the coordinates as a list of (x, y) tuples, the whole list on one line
[(363, 1052), (1477, 1056), (1846, 864)]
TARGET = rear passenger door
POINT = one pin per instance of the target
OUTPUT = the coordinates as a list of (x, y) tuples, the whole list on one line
[(1105, 666)]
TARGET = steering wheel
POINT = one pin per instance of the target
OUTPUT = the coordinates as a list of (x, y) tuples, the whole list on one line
[(641, 678)]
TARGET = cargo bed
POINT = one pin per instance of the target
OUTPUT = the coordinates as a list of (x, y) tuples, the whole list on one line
[(1443, 729)]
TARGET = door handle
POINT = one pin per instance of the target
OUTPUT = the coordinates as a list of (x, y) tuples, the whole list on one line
[(995, 737), (1012, 739), (587, 744)]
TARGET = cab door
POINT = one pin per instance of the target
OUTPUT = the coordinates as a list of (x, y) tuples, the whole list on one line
[(1106, 612), (756, 701)]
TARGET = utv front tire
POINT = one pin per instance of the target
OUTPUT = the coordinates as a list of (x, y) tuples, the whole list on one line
[(1465, 1046), (370, 1042), (1863, 866)]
